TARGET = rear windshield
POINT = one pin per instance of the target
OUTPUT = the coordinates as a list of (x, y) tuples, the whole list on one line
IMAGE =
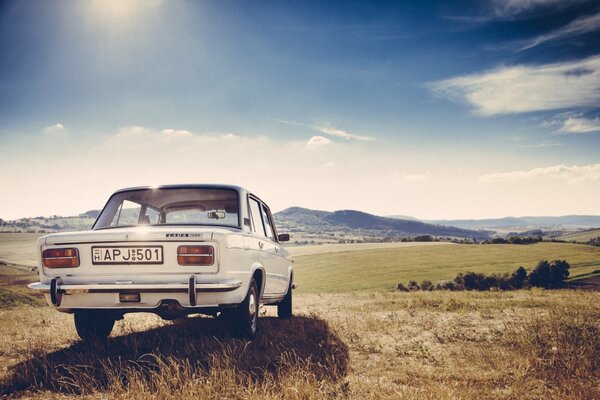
[(188, 206)]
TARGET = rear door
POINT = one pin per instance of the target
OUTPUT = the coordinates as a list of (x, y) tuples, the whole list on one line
[(269, 248)]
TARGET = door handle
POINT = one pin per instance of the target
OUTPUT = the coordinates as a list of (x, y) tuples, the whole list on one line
[(261, 244), (276, 249)]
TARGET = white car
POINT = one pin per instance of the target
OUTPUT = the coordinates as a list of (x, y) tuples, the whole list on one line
[(171, 250)]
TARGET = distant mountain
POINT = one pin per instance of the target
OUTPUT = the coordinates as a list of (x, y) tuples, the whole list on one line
[(571, 221), (297, 219), (91, 213)]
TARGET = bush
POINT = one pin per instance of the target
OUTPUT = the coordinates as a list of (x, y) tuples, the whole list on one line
[(518, 278), (549, 275), (423, 238), (594, 242), (472, 281), (427, 285), (401, 288), (413, 285), (449, 285)]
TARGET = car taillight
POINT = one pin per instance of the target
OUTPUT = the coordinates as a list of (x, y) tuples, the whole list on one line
[(195, 255), (60, 258)]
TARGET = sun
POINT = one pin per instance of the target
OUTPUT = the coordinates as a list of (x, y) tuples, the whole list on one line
[(120, 10)]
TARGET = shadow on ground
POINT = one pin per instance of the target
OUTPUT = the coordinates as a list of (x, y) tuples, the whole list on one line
[(199, 344), (588, 283)]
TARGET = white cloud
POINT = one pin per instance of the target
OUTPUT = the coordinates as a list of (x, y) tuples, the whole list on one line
[(509, 8), (55, 127), (328, 130), (55, 131), (379, 179), (174, 132), (520, 89), (588, 23), (317, 141), (580, 125), (572, 174)]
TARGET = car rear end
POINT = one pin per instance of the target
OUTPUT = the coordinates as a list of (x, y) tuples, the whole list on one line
[(138, 269)]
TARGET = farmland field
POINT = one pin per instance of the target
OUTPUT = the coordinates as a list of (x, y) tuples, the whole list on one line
[(380, 269), (582, 236), (363, 344), (377, 266), (18, 248)]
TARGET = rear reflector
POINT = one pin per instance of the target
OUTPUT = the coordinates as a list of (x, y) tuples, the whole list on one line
[(60, 258), (195, 255)]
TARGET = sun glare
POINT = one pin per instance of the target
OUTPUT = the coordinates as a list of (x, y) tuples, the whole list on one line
[(120, 10)]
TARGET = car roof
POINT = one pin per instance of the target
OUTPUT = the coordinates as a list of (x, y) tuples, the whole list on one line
[(185, 186)]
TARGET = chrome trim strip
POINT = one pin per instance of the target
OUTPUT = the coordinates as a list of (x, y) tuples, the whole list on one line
[(219, 286)]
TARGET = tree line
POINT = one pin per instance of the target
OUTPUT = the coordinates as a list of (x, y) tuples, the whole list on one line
[(546, 274)]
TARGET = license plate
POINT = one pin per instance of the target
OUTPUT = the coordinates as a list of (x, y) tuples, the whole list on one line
[(127, 255)]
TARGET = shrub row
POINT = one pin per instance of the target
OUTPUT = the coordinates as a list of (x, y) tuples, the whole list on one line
[(515, 240), (548, 275)]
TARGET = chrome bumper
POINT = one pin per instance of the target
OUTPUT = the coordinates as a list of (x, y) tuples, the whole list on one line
[(56, 288)]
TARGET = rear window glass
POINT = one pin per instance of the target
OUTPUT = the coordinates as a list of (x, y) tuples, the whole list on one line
[(187, 206)]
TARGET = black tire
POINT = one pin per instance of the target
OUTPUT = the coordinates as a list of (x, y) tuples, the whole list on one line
[(245, 316), (284, 307), (94, 324)]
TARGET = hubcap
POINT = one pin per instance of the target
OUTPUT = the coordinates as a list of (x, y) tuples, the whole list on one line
[(252, 310)]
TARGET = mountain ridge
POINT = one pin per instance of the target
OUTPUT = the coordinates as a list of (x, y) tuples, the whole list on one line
[(583, 221), (311, 221)]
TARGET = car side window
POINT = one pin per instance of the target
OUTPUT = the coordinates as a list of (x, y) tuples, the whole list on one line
[(257, 224), (268, 224), (152, 216), (127, 214)]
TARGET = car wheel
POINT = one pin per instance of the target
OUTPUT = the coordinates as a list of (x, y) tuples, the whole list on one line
[(245, 317), (94, 324), (284, 307)]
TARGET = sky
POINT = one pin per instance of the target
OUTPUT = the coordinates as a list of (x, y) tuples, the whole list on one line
[(430, 109)]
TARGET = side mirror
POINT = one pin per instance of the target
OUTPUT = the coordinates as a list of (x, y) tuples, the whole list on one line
[(284, 237)]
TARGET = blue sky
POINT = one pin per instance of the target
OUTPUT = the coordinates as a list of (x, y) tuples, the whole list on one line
[(434, 109)]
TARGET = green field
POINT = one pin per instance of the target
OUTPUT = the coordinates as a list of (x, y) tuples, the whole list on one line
[(582, 236), (384, 268)]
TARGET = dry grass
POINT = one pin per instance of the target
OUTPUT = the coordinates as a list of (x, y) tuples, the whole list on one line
[(525, 344), (19, 248)]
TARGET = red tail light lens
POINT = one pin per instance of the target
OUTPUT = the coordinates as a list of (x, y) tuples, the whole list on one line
[(195, 255), (60, 258)]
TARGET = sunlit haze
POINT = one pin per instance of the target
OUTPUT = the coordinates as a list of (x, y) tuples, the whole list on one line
[(428, 109)]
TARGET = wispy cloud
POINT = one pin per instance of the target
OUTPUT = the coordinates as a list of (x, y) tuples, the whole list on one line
[(527, 88), (328, 130), (544, 143), (588, 23), (580, 125), (511, 8), (495, 10), (572, 174)]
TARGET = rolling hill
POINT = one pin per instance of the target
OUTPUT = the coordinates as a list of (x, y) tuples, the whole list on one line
[(298, 219), (565, 221)]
